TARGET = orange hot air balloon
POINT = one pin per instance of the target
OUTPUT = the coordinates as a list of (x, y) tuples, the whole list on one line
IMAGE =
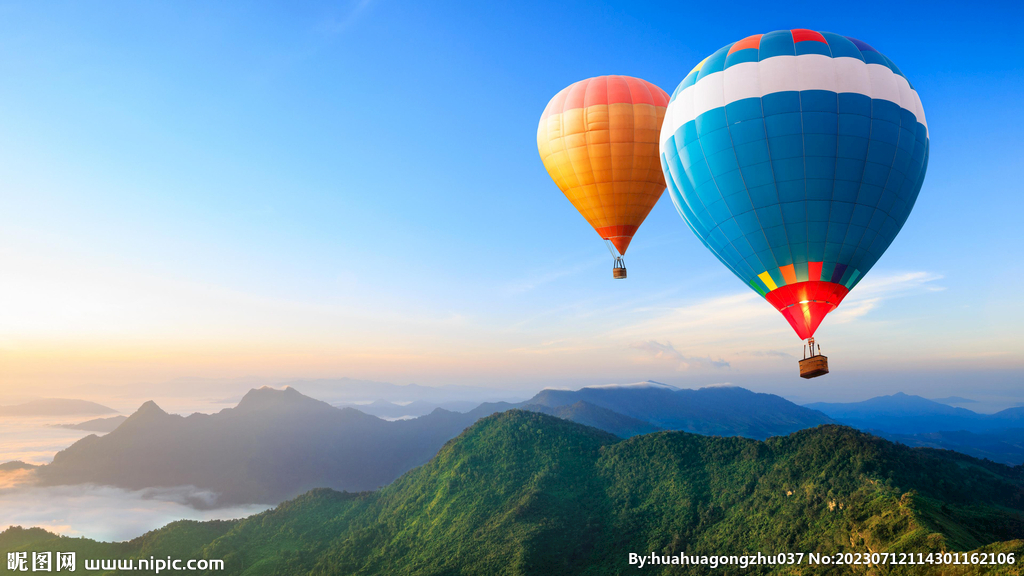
[(599, 140)]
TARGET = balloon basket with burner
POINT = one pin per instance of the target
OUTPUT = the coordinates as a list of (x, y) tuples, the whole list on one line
[(619, 268), (814, 365)]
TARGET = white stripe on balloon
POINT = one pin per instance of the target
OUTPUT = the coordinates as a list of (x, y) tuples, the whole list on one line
[(789, 73)]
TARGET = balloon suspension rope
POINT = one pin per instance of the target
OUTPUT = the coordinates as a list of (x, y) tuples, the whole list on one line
[(619, 262)]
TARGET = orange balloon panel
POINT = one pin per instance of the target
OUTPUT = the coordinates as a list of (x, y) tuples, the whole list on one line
[(598, 139)]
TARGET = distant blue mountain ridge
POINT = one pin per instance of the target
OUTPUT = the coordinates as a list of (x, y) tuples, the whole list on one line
[(920, 422), (908, 414)]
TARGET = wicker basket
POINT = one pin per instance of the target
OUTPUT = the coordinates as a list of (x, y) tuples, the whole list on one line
[(618, 273), (814, 366)]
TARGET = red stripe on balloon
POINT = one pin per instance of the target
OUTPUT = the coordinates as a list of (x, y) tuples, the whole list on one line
[(748, 42), (606, 90), (607, 232), (803, 35), (596, 92), (620, 236), (805, 304), (814, 270)]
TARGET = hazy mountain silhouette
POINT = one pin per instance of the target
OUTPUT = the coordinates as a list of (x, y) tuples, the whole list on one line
[(716, 410), (1011, 417), (333, 390), (917, 421), (955, 400), (273, 445), (1004, 446), (276, 444), (16, 465), (525, 493), (96, 424), (908, 414), (55, 407), (601, 418)]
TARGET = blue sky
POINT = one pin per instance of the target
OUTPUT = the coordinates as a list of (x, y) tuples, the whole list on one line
[(353, 189)]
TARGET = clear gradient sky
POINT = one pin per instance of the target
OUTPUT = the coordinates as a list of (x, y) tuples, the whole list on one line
[(326, 189)]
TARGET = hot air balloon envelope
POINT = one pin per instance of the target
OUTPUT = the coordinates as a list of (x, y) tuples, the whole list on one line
[(796, 157), (598, 139)]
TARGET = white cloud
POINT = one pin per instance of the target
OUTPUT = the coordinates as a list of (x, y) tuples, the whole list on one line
[(733, 318), (739, 328), (724, 323), (770, 354), (872, 291), (107, 513), (682, 362)]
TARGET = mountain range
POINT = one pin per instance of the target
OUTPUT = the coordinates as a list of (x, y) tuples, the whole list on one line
[(273, 445), (229, 391), (954, 400), (55, 407), (416, 408), (96, 424), (276, 444), (525, 493), (1004, 446), (907, 414), (715, 410), (917, 421)]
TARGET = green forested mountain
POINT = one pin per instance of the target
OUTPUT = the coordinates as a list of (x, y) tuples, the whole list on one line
[(526, 493)]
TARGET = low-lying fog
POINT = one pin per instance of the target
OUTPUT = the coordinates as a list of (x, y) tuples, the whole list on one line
[(36, 440), (103, 512), (98, 512)]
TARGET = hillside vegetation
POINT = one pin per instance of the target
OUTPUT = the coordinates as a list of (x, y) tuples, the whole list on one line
[(525, 493)]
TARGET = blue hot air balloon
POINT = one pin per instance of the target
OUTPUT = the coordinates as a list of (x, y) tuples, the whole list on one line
[(796, 157)]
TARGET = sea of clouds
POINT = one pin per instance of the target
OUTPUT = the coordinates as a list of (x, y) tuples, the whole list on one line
[(104, 512), (98, 512)]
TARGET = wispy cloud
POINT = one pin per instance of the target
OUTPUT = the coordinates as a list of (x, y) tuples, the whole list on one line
[(546, 277), (15, 478), (682, 362), (770, 354), (898, 282), (741, 331), (713, 321), (738, 320), (874, 290)]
